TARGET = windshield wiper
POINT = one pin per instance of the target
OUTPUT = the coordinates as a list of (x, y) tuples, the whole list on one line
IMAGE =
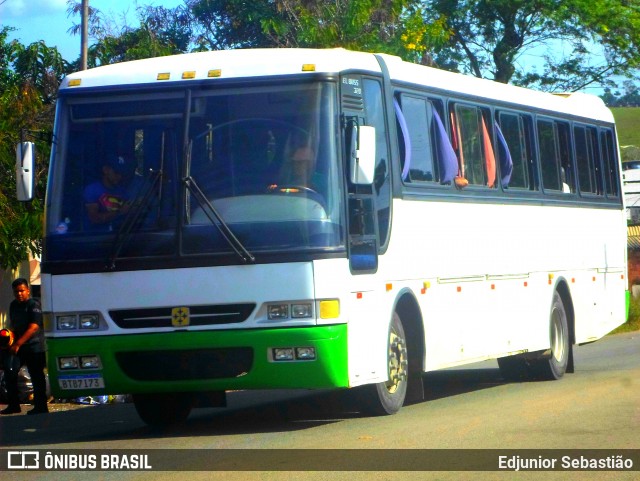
[(216, 219), (132, 217)]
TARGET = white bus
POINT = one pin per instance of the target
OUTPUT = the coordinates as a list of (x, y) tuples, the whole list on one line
[(310, 219)]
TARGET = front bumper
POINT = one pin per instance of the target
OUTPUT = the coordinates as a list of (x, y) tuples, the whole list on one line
[(197, 361)]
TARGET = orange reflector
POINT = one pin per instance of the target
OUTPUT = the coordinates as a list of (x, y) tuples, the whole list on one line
[(573, 280), (493, 286), (75, 82), (459, 289), (163, 76), (526, 283), (389, 287), (309, 67), (188, 75), (214, 73)]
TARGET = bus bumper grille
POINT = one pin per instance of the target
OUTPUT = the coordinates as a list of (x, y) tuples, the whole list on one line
[(197, 364)]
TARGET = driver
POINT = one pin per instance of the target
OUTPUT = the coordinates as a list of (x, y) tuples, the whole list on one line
[(107, 199), (302, 167), (299, 171)]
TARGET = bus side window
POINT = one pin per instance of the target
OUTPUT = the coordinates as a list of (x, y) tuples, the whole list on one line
[(548, 155), (489, 155), (472, 141), (414, 118), (594, 152), (610, 163), (513, 151), (374, 107), (588, 164), (447, 159), (553, 158), (567, 170)]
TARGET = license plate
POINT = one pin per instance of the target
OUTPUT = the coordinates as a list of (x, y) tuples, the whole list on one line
[(81, 381)]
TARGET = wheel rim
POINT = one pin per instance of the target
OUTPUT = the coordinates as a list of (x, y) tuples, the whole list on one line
[(558, 336), (397, 362)]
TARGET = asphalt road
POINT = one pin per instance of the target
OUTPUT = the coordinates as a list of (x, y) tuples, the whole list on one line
[(467, 408)]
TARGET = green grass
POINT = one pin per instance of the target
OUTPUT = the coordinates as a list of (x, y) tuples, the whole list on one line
[(633, 323), (628, 124)]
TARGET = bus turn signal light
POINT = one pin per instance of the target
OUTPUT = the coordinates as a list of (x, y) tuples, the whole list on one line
[(330, 309)]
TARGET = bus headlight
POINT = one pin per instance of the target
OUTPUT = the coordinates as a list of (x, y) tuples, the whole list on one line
[(83, 362), (278, 311), (284, 311), (67, 323), (89, 321), (90, 362), (300, 311), (67, 363), (79, 321), (283, 354), (305, 353)]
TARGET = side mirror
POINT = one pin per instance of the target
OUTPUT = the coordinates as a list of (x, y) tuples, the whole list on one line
[(25, 167), (363, 154)]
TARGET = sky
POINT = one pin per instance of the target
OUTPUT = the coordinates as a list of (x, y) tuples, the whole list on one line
[(47, 20)]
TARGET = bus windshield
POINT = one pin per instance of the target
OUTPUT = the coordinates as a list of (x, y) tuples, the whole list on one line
[(196, 172)]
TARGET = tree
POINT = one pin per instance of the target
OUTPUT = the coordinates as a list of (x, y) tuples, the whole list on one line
[(390, 26), (580, 42), (29, 78), (354, 24), (224, 24), (160, 31), (630, 97), (487, 38), (130, 44)]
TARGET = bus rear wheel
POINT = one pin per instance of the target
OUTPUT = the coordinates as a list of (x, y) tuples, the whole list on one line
[(554, 366), (388, 397), (163, 409)]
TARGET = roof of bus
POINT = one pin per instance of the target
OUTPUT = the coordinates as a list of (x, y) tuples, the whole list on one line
[(577, 103), (244, 63), (225, 64)]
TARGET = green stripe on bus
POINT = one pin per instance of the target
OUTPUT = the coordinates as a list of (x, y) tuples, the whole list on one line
[(329, 370)]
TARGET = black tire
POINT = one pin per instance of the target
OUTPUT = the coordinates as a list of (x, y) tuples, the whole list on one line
[(554, 366), (158, 410), (388, 397)]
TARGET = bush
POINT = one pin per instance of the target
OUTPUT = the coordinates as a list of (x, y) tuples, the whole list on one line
[(633, 323)]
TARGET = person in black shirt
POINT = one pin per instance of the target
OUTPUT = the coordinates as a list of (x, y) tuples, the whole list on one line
[(28, 347)]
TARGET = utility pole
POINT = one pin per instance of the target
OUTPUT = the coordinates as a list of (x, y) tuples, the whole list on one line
[(84, 37)]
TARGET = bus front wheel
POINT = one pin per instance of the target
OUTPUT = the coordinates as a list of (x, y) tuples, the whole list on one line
[(163, 409), (388, 397)]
